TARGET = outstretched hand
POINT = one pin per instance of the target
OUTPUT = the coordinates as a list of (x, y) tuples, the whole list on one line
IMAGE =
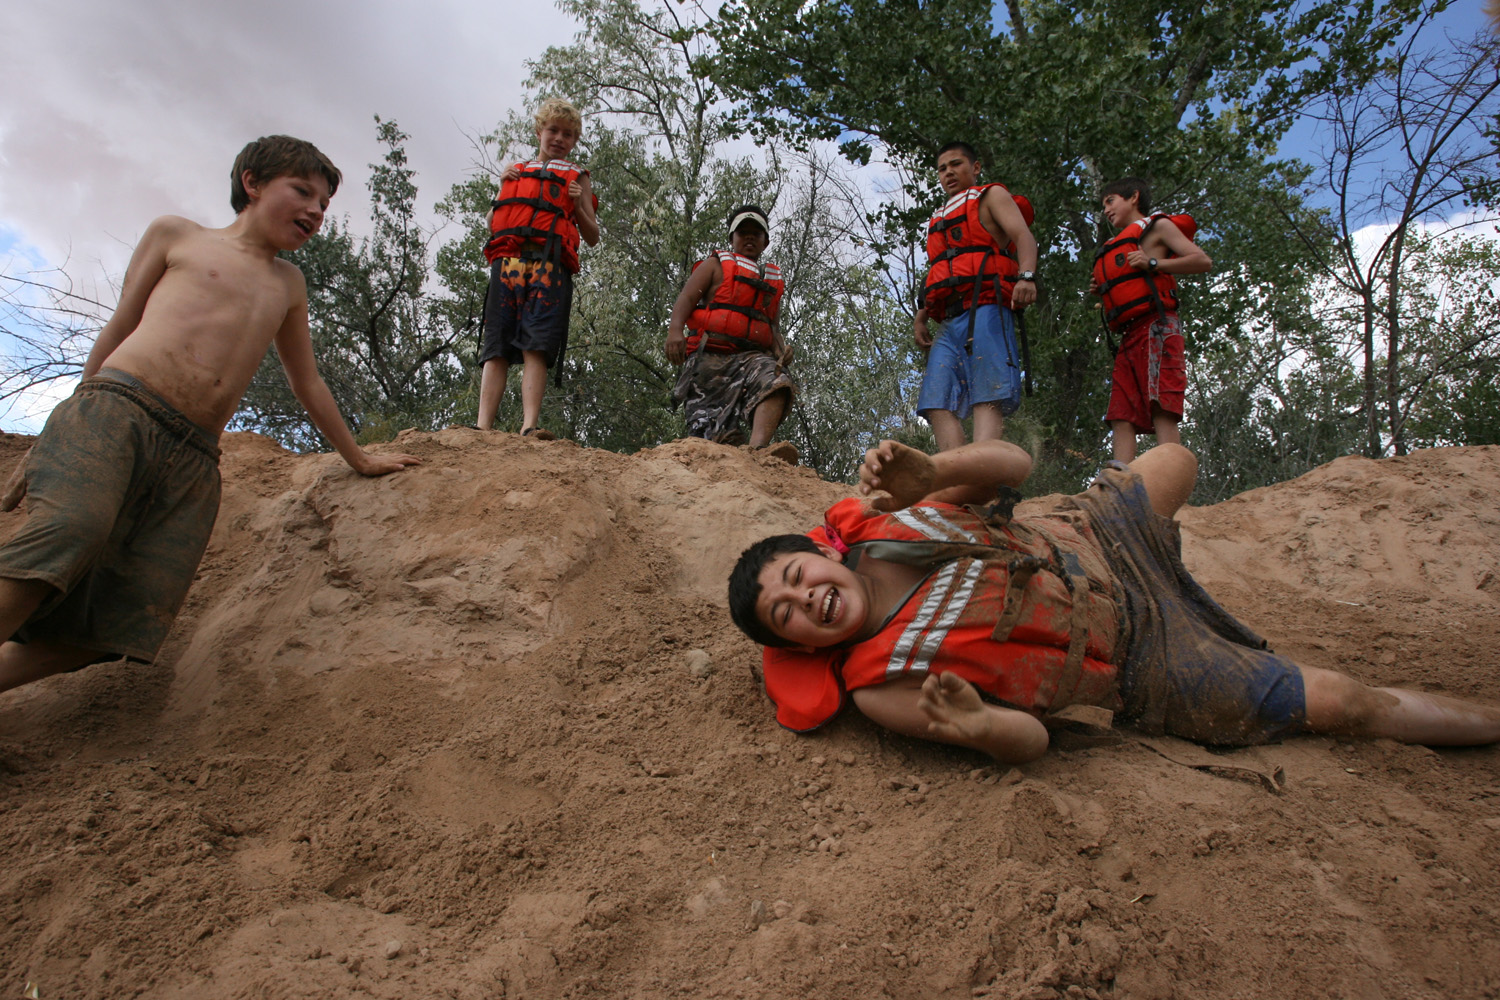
[(955, 708), (380, 465), (904, 473)]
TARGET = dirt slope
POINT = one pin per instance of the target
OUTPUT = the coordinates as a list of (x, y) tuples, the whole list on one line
[(482, 729)]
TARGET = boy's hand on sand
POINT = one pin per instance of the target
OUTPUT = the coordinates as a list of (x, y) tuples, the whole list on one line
[(510, 173), (904, 473), (15, 486), (955, 708), (380, 465)]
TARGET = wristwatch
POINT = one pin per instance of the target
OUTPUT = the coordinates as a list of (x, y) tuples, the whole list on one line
[(1151, 263), (1027, 276)]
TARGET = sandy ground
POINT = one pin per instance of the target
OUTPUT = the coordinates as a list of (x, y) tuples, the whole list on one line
[(483, 729)]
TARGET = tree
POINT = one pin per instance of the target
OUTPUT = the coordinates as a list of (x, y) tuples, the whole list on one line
[(1060, 97), (1413, 147), (386, 343), (49, 329), (655, 140)]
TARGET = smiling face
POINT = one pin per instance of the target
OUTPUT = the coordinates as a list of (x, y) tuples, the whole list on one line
[(556, 139), (811, 599), (288, 209), (956, 172), (749, 240)]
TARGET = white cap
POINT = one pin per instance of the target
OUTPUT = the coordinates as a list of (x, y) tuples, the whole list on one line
[(752, 214)]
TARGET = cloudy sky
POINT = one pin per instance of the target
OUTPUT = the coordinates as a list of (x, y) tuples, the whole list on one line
[(132, 110)]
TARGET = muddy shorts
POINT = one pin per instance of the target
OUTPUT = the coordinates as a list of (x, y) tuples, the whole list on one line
[(121, 495), (960, 374), (1191, 669), (1148, 369), (526, 309), (718, 392)]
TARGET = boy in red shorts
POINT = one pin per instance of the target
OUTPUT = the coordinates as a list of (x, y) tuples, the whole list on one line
[(1135, 275)]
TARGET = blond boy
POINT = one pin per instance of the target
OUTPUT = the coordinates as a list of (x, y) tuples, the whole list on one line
[(542, 209), (122, 485)]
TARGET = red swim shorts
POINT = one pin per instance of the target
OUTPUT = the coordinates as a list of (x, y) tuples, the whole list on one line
[(1149, 368)]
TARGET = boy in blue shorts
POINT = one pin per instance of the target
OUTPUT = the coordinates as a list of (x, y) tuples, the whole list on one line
[(122, 485), (974, 630), (982, 266)]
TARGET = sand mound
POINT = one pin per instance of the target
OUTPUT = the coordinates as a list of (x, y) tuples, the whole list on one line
[(482, 729)]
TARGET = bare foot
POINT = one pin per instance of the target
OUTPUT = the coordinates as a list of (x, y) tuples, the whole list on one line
[(904, 473), (540, 433), (955, 708)]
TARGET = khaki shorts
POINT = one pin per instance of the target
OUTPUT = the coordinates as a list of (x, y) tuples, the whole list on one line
[(121, 495)]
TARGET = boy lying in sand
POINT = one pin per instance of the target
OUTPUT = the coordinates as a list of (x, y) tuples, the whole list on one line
[(974, 628)]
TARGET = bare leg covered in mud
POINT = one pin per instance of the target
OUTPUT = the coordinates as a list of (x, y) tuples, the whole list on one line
[(1340, 705), (22, 663)]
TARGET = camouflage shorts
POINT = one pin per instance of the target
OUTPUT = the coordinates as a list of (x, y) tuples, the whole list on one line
[(718, 392)]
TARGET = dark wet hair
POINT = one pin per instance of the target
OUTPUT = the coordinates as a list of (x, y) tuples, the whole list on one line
[(744, 584), (273, 156), (962, 147), (1127, 186)]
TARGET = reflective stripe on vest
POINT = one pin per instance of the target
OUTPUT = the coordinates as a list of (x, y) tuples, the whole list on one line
[(1028, 613), (961, 254), (740, 315), (536, 208)]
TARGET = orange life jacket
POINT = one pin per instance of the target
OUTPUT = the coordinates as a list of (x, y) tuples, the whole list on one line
[(1029, 613), (962, 255), (740, 315), (537, 207), (1130, 293)]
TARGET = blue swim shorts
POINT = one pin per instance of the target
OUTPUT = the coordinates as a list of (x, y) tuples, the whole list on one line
[(957, 376)]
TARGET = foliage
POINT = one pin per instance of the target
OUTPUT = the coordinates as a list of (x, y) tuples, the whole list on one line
[(656, 145), (385, 343), (1415, 145)]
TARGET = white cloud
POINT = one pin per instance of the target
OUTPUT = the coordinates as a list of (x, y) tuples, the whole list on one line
[(130, 111)]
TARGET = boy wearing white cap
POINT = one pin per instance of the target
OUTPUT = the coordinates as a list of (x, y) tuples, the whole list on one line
[(733, 356)]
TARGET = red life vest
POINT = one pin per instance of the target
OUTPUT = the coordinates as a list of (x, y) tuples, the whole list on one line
[(1003, 617), (740, 315), (1130, 293), (961, 253), (536, 207)]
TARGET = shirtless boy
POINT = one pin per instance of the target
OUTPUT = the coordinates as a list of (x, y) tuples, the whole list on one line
[(122, 485), (542, 209), (902, 600)]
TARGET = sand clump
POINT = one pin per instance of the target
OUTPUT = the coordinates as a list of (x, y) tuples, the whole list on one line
[(483, 729)]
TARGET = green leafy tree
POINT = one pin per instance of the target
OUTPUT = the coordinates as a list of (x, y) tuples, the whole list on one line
[(1410, 148), (1059, 98), (385, 340), (656, 142)]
